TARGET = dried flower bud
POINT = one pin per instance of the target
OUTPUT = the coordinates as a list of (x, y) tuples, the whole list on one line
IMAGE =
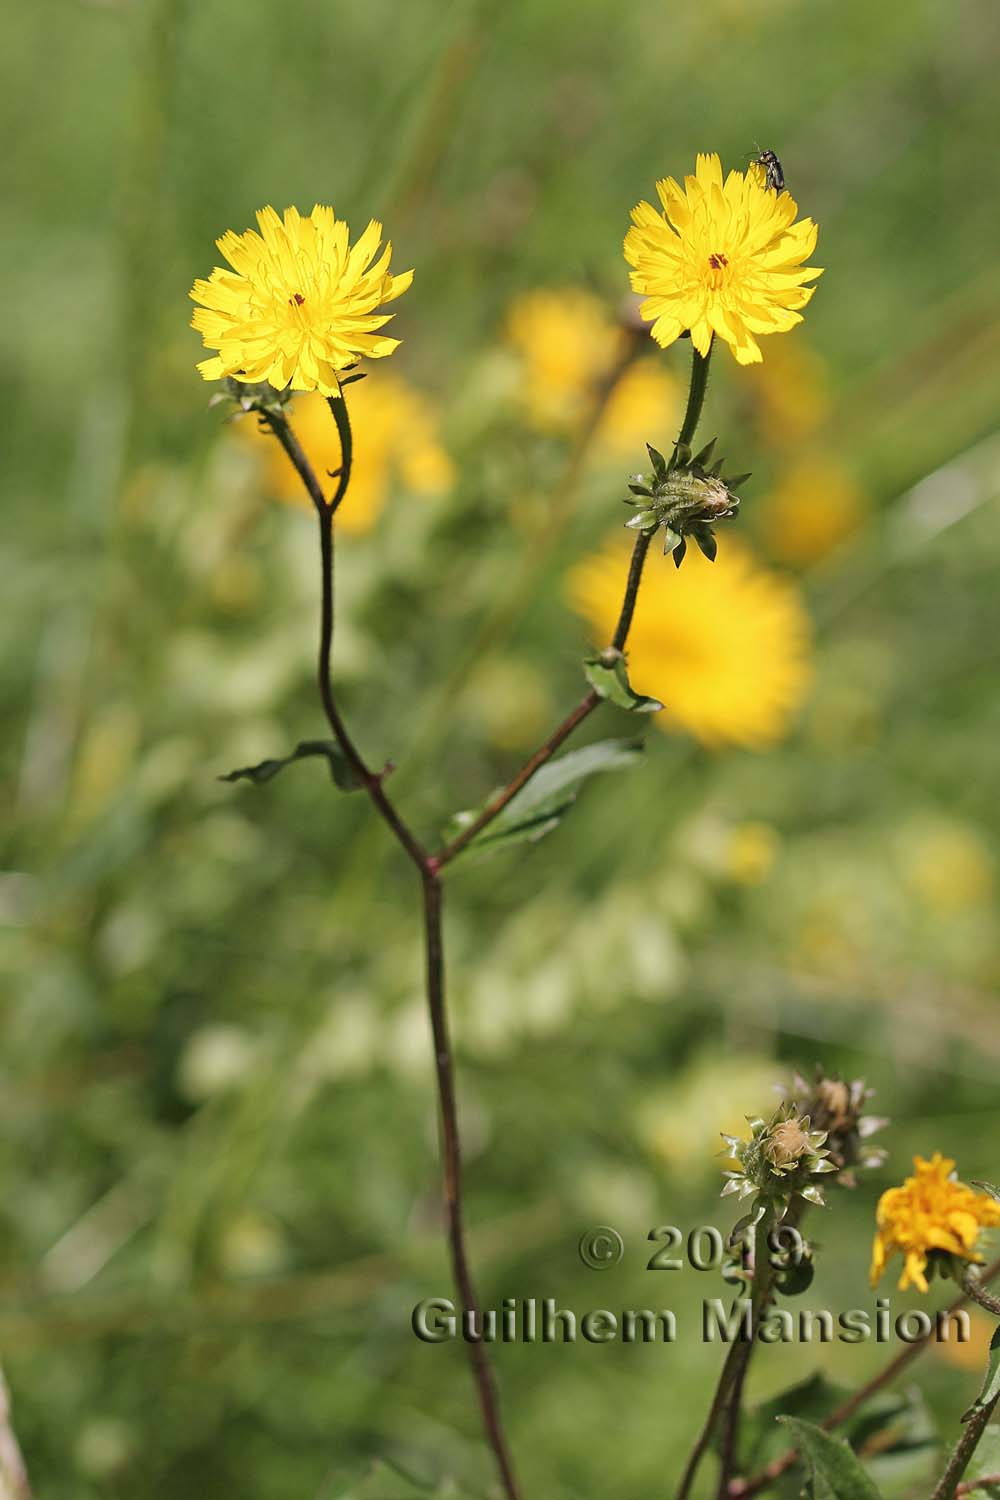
[(835, 1105)]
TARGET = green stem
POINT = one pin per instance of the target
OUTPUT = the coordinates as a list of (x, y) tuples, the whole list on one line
[(972, 1284), (433, 935), (964, 1449), (545, 752), (338, 407), (695, 402), (762, 1289)]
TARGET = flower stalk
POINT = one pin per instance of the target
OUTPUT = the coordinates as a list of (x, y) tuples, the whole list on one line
[(430, 865)]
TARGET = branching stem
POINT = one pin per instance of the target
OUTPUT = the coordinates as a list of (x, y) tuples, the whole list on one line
[(429, 866)]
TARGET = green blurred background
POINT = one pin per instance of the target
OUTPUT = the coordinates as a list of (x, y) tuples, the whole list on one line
[(218, 1137)]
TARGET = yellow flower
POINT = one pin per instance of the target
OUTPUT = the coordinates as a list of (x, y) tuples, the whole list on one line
[(931, 1212), (723, 257), (395, 434), (299, 305), (724, 645), (815, 508), (751, 852), (645, 402), (791, 393), (568, 343)]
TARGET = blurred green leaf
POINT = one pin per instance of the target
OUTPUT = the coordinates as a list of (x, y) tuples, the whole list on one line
[(538, 807), (835, 1472), (608, 676), (342, 774), (762, 1439), (985, 1463)]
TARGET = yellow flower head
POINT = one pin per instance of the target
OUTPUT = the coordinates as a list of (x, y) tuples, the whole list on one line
[(930, 1212), (723, 257), (395, 437), (299, 304), (724, 645)]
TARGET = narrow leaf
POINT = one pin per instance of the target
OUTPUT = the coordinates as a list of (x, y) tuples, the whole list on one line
[(707, 541), (658, 461), (340, 771), (540, 805), (608, 676), (835, 1471)]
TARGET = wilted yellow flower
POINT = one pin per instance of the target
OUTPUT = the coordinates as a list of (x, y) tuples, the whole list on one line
[(568, 344), (299, 304), (814, 508), (723, 257), (931, 1212), (724, 645), (395, 434)]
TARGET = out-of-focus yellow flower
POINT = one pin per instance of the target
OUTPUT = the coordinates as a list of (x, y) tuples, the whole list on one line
[(724, 645), (751, 852), (567, 341), (948, 865), (971, 1353), (791, 392), (395, 434), (568, 344), (646, 401), (931, 1213), (713, 1097), (815, 508), (723, 257), (299, 304)]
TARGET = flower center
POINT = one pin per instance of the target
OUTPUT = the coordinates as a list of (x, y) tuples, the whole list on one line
[(718, 264)]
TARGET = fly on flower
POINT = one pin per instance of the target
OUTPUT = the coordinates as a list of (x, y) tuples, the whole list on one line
[(299, 305), (721, 256)]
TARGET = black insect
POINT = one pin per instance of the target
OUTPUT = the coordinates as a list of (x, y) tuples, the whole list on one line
[(772, 169)]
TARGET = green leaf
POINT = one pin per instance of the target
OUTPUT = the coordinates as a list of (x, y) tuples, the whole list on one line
[(761, 1439), (707, 541), (991, 1385), (341, 772), (834, 1471), (898, 1440), (658, 461), (608, 676), (540, 805), (985, 1463)]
